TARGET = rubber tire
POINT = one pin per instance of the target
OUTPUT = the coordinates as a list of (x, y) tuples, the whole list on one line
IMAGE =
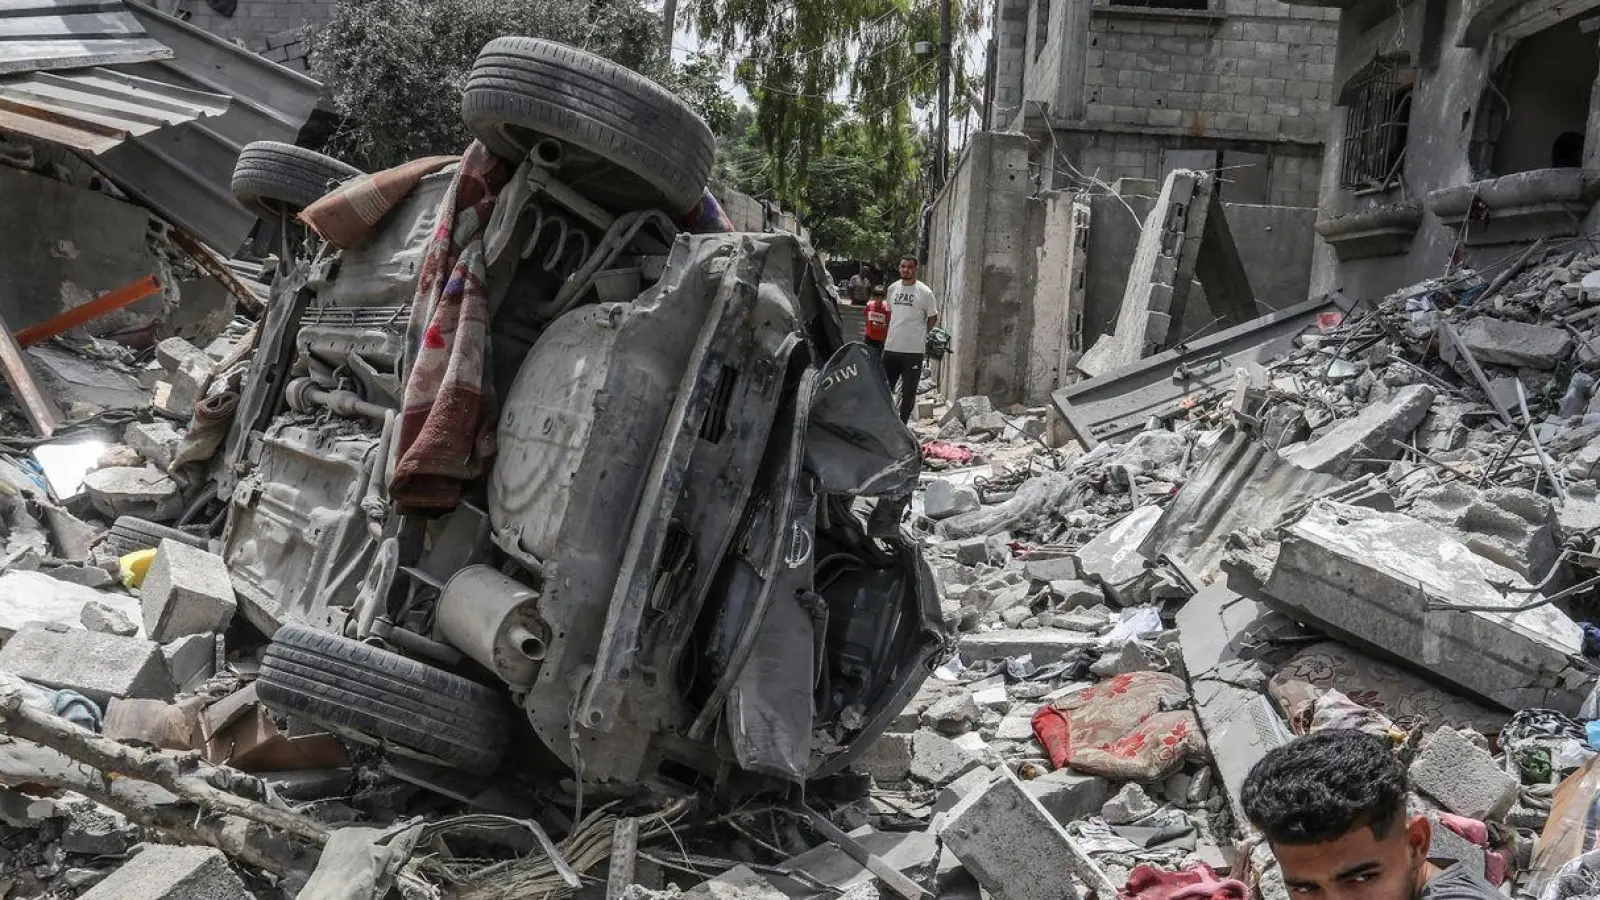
[(271, 177), (372, 696), (660, 153), (144, 534)]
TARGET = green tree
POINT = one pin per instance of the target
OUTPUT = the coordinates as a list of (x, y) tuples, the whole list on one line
[(396, 68), (859, 202), (795, 57)]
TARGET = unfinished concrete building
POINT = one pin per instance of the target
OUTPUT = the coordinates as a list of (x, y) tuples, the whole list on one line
[(1115, 89), (1463, 131), (276, 29)]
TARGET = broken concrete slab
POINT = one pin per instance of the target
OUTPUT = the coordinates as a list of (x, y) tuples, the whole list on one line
[(965, 409), (1463, 777), (1129, 806), (172, 873), (34, 597), (1512, 527), (1500, 342), (1068, 795), (88, 576), (914, 854), (1113, 560), (1447, 847), (738, 883), (1388, 581), (155, 441), (98, 666), (1050, 570), (1010, 843), (971, 551), (1241, 727), (937, 760), (958, 790), (952, 716), (943, 500), (187, 591), (1045, 645), (1373, 433), (125, 491)]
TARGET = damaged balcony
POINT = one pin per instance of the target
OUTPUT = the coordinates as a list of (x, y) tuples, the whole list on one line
[(1385, 231), (1518, 208)]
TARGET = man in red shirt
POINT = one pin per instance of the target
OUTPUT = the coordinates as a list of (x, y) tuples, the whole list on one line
[(877, 315)]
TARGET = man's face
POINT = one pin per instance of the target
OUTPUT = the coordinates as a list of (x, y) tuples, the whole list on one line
[(908, 269), (1358, 865)]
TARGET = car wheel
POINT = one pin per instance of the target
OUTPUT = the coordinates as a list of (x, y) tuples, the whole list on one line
[(271, 178), (631, 144), (372, 696), (130, 534)]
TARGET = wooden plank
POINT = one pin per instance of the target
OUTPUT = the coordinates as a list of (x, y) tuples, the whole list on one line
[(41, 410)]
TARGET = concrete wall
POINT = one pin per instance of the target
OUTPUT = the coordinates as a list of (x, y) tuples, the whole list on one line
[(1280, 174), (1276, 244), (1447, 102), (977, 264), (273, 28)]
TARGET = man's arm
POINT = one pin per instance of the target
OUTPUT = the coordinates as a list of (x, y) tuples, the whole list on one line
[(933, 309)]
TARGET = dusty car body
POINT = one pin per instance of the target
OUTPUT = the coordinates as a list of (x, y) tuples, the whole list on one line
[(664, 575)]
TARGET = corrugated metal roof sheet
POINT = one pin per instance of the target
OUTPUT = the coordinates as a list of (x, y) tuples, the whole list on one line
[(40, 35), (96, 109), (185, 172)]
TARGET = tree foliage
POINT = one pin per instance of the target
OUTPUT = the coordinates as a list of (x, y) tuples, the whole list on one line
[(794, 57), (396, 68), (859, 202)]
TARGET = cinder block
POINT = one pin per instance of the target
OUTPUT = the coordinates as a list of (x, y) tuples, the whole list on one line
[(1069, 795), (1462, 777), (888, 760), (172, 873), (1010, 843), (187, 591), (98, 666)]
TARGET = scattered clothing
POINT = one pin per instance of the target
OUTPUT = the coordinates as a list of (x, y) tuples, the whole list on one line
[(708, 217), (1199, 882), (345, 216), (448, 415), (1131, 727), (945, 451)]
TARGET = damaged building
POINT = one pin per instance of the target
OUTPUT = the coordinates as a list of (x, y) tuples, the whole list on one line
[(1464, 132)]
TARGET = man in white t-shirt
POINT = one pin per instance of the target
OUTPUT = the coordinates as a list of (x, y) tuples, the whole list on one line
[(912, 311)]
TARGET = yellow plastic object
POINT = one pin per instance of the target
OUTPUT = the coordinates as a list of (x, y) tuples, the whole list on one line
[(134, 566)]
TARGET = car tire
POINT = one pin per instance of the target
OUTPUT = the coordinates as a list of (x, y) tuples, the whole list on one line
[(271, 178), (143, 533), (653, 150), (373, 696)]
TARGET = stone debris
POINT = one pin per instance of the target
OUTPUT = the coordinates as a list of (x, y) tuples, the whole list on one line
[(187, 591), (146, 493), (1463, 777), (172, 873), (98, 666)]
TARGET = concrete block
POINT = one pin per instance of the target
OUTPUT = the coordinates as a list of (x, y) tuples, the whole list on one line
[(1447, 847), (971, 551), (1061, 568), (1372, 434), (914, 853), (961, 788), (966, 409), (1067, 795), (1112, 559), (938, 761), (1010, 843), (125, 491), (1496, 342), (106, 619), (1389, 581), (89, 576), (93, 830), (187, 591), (36, 598), (155, 441), (1513, 527), (1074, 594), (952, 716), (98, 666), (943, 500), (173, 352), (172, 873), (1463, 777), (1045, 645), (191, 660), (1129, 806)]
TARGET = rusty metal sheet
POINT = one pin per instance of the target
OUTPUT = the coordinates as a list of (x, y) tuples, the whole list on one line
[(96, 109), (1120, 402), (41, 35)]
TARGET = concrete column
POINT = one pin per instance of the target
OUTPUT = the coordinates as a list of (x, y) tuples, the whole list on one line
[(1591, 132)]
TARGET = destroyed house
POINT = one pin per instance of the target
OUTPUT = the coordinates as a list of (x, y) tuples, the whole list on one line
[(1463, 132), (1115, 89)]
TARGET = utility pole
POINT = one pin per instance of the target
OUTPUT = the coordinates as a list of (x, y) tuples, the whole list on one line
[(944, 96), (669, 24)]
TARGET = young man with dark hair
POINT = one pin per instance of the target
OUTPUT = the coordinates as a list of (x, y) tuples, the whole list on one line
[(912, 312), (1332, 806)]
